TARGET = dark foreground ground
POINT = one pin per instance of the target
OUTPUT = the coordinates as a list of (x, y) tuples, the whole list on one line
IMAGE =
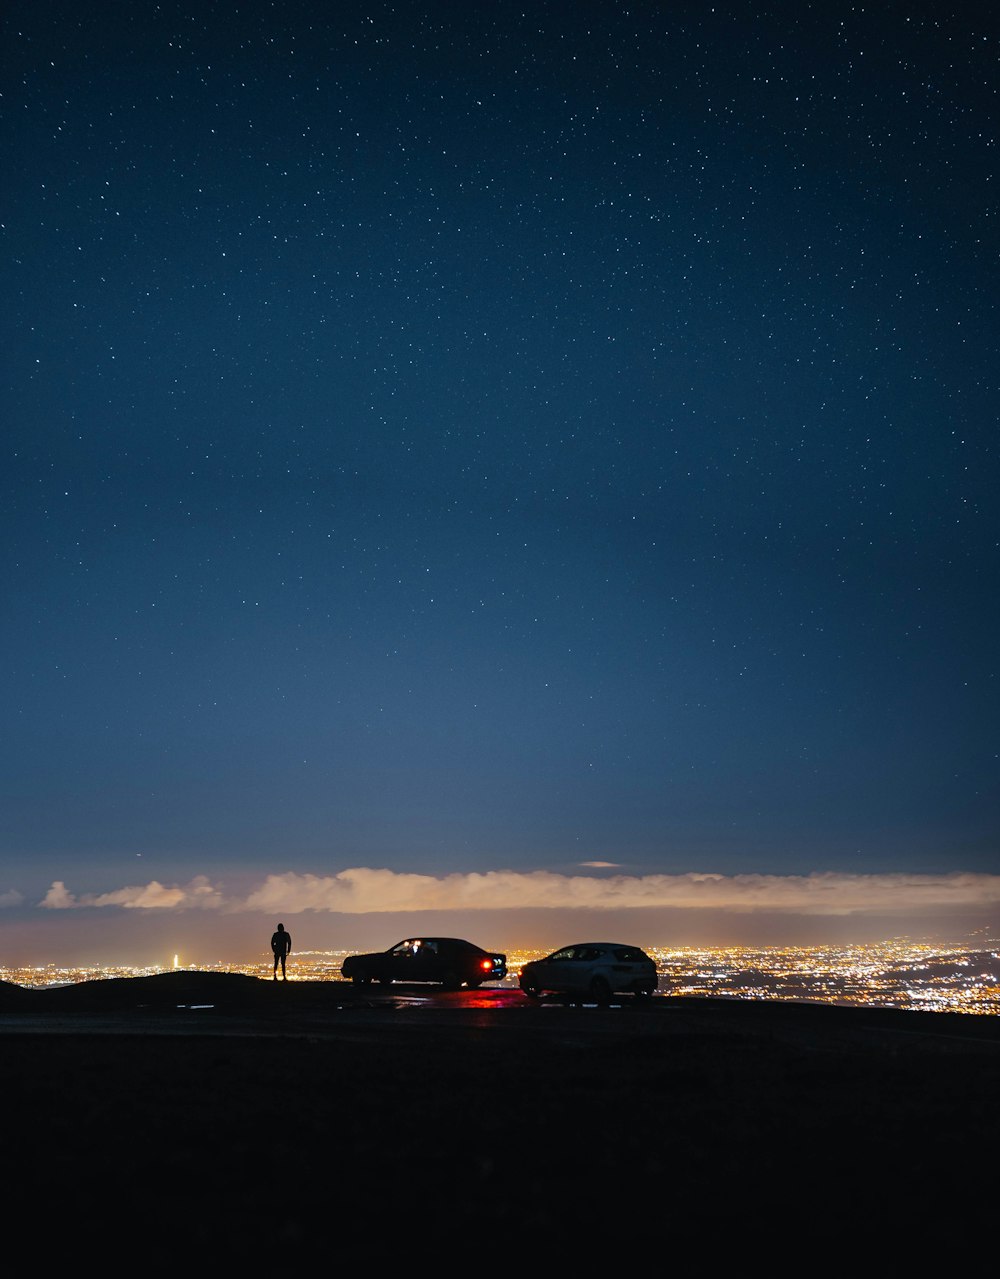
[(201, 1122)]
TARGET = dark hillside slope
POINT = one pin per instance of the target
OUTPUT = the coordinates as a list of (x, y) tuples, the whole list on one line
[(352, 1133)]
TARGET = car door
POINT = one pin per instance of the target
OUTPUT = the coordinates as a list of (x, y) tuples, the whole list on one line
[(424, 963), (561, 970), (402, 966)]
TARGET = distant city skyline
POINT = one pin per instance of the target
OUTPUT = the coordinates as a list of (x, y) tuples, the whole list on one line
[(899, 973)]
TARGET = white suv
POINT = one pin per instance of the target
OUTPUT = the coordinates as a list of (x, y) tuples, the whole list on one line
[(596, 969)]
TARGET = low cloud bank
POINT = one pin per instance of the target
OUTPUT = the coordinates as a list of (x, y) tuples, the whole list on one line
[(152, 896), (362, 891)]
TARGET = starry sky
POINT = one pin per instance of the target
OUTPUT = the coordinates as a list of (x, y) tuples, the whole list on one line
[(520, 469)]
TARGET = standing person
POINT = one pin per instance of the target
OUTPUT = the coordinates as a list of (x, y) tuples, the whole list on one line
[(281, 944)]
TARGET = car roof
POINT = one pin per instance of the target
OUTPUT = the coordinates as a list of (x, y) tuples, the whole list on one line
[(624, 945), (451, 941)]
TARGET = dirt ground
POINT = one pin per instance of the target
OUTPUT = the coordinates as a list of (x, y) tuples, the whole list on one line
[(374, 1137)]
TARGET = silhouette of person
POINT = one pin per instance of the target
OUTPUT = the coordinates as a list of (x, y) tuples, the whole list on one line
[(281, 944)]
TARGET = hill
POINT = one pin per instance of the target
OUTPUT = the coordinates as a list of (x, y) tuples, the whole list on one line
[(218, 1118)]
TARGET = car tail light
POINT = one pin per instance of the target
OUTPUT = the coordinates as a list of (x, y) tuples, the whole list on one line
[(486, 965)]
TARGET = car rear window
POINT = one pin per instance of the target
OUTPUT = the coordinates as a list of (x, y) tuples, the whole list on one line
[(630, 955)]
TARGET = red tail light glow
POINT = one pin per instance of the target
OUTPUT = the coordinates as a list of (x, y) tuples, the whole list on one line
[(486, 965)]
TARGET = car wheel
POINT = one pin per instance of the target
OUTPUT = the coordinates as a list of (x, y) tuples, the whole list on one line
[(385, 980), (531, 991), (643, 992), (361, 979), (600, 990), (451, 981)]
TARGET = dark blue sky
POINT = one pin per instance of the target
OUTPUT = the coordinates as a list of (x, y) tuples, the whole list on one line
[(475, 437)]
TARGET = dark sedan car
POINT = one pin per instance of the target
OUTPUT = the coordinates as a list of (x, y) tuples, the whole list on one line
[(594, 969), (449, 961)]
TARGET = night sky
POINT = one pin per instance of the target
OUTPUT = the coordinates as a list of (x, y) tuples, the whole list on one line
[(549, 449)]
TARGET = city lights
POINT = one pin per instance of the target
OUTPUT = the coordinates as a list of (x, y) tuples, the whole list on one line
[(899, 973)]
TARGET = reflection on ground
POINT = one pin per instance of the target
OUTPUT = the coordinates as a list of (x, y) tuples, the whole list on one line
[(487, 997)]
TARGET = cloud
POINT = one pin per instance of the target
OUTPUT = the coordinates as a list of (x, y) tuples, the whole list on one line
[(57, 898), (362, 890), (11, 898), (152, 896)]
